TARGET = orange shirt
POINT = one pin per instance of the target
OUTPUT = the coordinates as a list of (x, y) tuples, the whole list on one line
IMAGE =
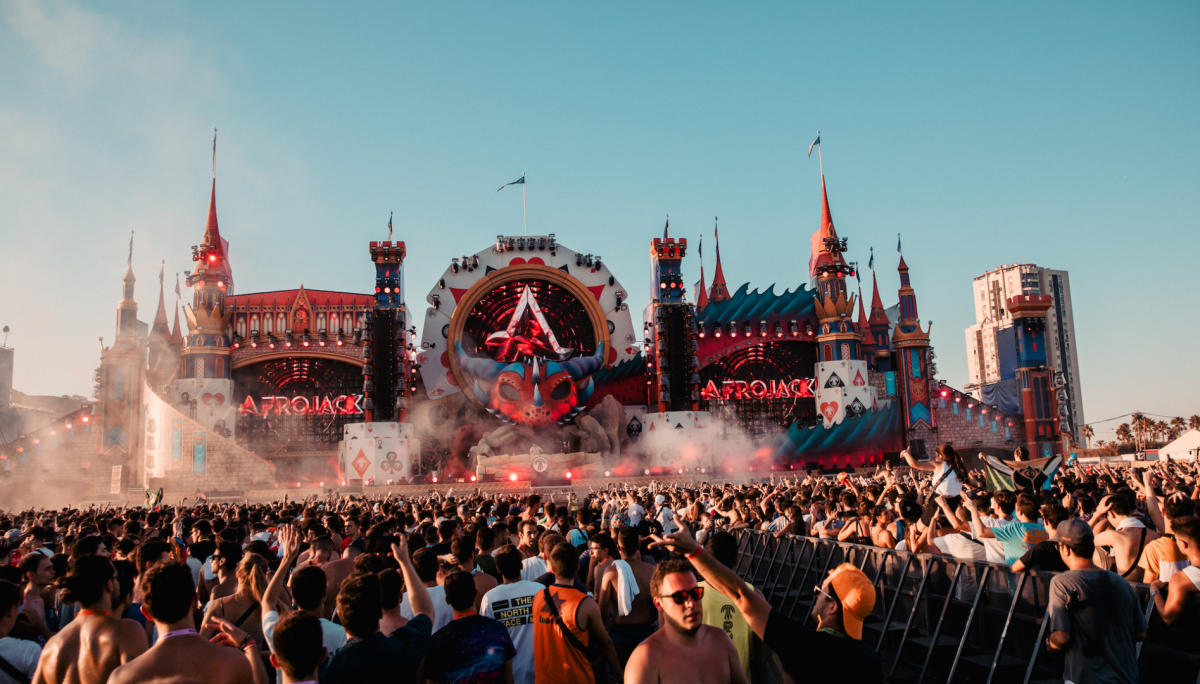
[(555, 660)]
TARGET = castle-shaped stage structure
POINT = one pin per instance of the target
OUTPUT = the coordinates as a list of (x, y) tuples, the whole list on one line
[(527, 347)]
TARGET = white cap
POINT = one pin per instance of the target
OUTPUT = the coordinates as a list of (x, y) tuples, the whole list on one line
[(658, 500)]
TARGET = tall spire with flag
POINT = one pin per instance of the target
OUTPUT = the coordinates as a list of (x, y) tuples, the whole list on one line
[(719, 291), (701, 290), (389, 226), (176, 334), (159, 327), (821, 253)]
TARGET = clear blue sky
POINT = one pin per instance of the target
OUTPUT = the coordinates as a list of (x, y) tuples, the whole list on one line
[(1058, 133)]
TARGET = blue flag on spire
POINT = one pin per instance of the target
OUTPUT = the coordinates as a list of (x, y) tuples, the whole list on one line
[(519, 181), (871, 261), (898, 242)]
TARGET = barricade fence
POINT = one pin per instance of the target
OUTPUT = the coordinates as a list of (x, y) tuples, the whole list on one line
[(941, 619)]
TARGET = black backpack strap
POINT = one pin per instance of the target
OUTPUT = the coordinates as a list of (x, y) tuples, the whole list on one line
[(1141, 547), (12, 671), (240, 620), (571, 638)]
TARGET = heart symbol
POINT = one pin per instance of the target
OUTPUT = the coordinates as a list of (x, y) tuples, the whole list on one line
[(520, 260), (829, 409)]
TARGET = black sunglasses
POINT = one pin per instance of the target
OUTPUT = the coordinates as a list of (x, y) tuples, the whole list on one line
[(681, 597)]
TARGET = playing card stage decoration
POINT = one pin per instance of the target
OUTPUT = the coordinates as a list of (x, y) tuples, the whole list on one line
[(378, 453), (842, 391), (680, 439)]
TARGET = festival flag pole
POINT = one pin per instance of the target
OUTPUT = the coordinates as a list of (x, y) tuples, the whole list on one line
[(524, 213), (817, 144), (389, 226)]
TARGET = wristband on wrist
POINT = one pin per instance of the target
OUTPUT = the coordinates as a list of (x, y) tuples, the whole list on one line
[(693, 555)]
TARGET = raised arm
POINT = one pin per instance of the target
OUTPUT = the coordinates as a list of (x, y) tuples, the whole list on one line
[(288, 543), (914, 463), (1152, 505), (418, 595), (752, 605), (977, 525)]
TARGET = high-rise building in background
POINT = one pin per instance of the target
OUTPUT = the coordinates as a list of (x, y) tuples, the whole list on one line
[(992, 342)]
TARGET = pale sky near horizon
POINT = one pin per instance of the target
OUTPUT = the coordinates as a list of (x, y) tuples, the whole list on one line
[(1062, 134)]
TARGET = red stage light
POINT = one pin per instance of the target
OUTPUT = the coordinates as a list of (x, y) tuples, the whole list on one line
[(945, 393), (271, 345), (435, 479), (473, 478), (86, 419), (212, 258), (512, 477), (378, 289), (568, 474), (339, 343)]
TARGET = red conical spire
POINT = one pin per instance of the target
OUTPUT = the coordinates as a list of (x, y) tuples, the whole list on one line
[(821, 256), (211, 234), (213, 260), (702, 296), (862, 315), (878, 315), (176, 336), (160, 317), (719, 291)]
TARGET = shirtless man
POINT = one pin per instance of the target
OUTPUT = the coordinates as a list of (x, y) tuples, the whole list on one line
[(336, 571), (1116, 527), (111, 641), (180, 655), (627, 631), (684, 649), (462, 552)]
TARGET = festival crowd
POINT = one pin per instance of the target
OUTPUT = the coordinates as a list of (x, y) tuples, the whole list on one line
[(633, 584)]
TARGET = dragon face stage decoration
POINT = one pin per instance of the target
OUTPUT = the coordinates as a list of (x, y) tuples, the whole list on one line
[(533, 391)]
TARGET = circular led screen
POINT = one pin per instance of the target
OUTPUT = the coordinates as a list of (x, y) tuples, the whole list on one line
[(524, 343)]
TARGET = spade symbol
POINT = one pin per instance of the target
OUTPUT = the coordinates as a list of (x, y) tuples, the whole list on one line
[(678, 426), (856, 409), (834, 381)]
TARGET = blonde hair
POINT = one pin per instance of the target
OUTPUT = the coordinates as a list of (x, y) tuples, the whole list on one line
[(252, 576)]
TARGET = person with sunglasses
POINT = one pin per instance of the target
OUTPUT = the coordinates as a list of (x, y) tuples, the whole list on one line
[(683, 649), (833, 652)]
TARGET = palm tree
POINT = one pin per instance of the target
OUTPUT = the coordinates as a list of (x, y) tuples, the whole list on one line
[(1194, 422), (1124, 434), (1177, 427), (1088, 433)]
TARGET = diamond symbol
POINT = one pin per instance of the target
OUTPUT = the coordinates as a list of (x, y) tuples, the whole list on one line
[(361, 463)]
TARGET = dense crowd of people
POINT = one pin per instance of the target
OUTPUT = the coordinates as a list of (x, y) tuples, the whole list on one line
[(632, 584)]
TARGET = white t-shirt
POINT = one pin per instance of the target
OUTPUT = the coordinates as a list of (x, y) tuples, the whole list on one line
[(512, 605), (635, 512), (333, 635), (961, 547), (533, 568), (666, 518), (442, 612), (22, 654), (951, 486)]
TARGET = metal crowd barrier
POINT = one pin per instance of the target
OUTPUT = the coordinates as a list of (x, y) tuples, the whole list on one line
[(941, 619)]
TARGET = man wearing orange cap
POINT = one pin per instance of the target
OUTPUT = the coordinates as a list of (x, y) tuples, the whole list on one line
[(834, 652)]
